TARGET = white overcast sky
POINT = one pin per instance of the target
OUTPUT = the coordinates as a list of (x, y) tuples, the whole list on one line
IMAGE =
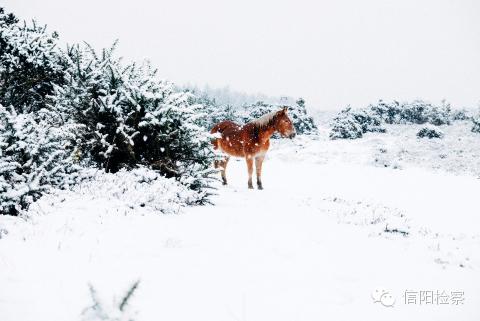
[(333, 53)]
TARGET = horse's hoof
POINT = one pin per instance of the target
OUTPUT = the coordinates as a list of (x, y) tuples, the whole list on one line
[(224, 183), (250, 187), (260, 187)]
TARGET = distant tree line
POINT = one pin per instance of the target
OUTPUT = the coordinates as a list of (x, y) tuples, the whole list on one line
[(244, 113), (354, 123)]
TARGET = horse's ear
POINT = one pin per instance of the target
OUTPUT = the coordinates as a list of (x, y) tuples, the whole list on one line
[(284, 109)]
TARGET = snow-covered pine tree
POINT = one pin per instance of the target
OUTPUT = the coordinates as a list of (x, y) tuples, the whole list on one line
[(257, 110), (421, 112), (34, 157), (187, 147), (219, 105), (130, 118), (476, 123), (29, 64), (303, 122), (415, 112), (440, 115), (388, 112), (215, 112), (430, 131), (461, 114), (352, 124), (92, 95), (346, 126)]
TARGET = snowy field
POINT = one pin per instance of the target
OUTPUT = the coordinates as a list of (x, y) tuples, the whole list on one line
[(337, 220)]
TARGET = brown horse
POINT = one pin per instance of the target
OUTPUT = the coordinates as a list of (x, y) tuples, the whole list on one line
[(250, 141)]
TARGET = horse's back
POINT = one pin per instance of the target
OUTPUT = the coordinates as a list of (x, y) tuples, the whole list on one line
[(225, 126), (231, 138)]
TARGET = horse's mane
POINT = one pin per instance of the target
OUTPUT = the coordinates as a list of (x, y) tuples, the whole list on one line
[(266, 120)]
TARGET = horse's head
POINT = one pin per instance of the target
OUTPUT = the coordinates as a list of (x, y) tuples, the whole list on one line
[(284, 125)]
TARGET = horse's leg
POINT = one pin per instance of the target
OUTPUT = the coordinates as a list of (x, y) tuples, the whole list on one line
[(250, 170), (224, 169), (223, 166), (258, 167)]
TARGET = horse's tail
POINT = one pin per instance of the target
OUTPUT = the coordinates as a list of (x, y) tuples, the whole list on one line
[(219, 129), (216, 129)]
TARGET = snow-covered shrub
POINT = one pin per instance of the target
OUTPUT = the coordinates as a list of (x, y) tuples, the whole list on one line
[(129, 190), (111, 310), (352, 124), (29, 64), (216, 112), (257, 110), (415, 112), (302, 121), (476, 123), (131, 118), (34, 157), (390, 113), (440, 115), (430, 131), (35, 154), (461, 114), (345, 125)]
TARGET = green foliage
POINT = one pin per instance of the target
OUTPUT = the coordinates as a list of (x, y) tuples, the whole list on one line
[(415, 112), (476, 123), (29, 64), (34, 157), (303, 122), (89, 108), (430, 132), (130, 118), (118, 310), (352, 124)]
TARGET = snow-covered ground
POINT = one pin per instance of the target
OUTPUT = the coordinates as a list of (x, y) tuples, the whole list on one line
[(337, 220)]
